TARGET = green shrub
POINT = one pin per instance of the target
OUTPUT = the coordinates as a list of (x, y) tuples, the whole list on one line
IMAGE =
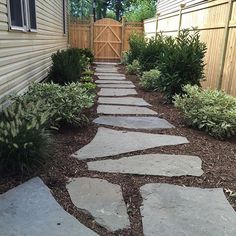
[(151, 53), (25, 141), (180, 60), (137, 44), (209, 110), (68, 102), (86, 79), (125, 58), (88, 73), (182, 63), (67, 66), (150, 79), (134, 68), (87, 53), (90, 87)]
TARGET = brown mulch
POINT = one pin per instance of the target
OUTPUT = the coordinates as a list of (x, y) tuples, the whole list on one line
[(218, 161)]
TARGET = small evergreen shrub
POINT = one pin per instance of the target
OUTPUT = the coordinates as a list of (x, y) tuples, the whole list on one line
[(150, 80), (180, 59), (125, 58), (69, 102), (137, 43), (134, 68), (152, 52), (88, 73), (25, 140), (209, 110), (90, 87), (182, 63), (88, 54), (86, 79), (68, 66)]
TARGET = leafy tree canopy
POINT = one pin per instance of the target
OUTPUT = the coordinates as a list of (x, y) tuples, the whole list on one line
[(134, 10)]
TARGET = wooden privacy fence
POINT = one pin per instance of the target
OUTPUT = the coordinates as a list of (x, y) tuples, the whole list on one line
[(216, 21), (107, 38)]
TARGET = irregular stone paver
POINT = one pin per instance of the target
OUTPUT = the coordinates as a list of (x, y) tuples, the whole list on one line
[(108, 142), (173, 210), (132, 122), (111, 77), (113, 82), (106, 70), (132, 101), (124, 110), (31, 210), (109, 74), (152, 164), (116, 86), (102, 199), (106, 63), (108, 92)]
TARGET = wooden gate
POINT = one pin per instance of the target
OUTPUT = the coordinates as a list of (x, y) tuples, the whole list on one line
[(107, 40)]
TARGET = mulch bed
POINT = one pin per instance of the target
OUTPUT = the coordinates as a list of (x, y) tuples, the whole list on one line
[(218, 157)]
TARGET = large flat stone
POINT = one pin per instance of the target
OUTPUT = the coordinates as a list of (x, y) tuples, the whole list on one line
[(105, 63), (106, 70), (116, 86), (113, 82), (152, 164), (134, 122), (31, 210), (115, 77), (124, 110), (108, 92), (132, 101), (173, 210), (108, 142), (109, 75), (102, 199)]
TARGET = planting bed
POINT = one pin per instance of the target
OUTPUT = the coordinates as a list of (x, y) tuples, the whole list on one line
[(218, 163)]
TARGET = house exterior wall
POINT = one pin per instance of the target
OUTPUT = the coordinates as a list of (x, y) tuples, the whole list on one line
[(26, 57)]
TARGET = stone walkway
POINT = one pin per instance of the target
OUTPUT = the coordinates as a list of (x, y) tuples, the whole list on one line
[(166, 210)]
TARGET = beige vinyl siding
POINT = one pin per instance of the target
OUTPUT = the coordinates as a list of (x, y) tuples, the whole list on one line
[(26, 57)]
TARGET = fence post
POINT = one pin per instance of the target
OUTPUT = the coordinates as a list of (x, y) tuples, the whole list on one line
[(157, 22), (91, 31), (182, 6), (225, 45), (123, 35)]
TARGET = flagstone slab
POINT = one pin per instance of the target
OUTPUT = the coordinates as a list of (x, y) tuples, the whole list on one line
[(113, 82), (115, 77), (124, 110), (134, 122), (103, 200), (116, 86), (31, 210), (109, 74), (106, 63), (108, 142), (174, 210), (109, 92), (106, 70), (151, 164), (132, 101)]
